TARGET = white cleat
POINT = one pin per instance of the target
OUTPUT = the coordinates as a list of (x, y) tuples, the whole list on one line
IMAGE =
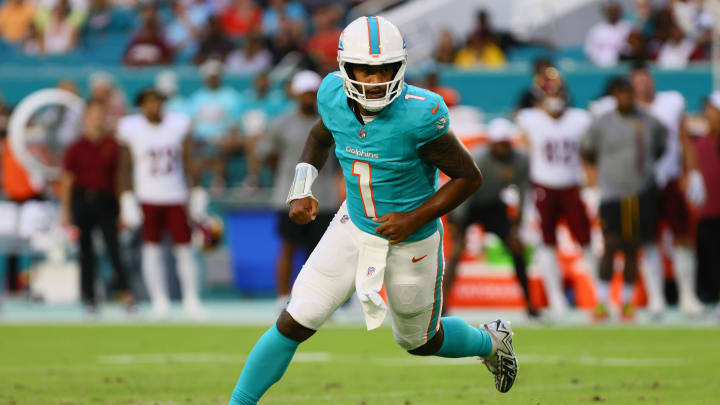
[(501, 361), (556, 314), (691, 306), (161, 309), (657, 309), (194, 310)]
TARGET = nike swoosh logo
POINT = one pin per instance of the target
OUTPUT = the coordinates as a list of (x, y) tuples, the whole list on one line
[(435, 110), (414, 260)]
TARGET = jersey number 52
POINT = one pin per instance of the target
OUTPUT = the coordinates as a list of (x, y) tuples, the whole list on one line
[(364, 173)]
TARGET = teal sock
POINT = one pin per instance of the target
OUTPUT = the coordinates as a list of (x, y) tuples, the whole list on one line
[(463, 340), (265, 365)]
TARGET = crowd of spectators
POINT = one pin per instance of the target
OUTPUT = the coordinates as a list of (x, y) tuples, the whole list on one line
[(672, 34), (484, 47), (251, 35), (247, 35)]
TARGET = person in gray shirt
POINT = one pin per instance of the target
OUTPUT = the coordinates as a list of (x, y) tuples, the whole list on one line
[(502, 167), (624, 144), (282, 145)]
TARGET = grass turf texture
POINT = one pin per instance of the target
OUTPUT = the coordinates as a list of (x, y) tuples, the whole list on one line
[(48, 365)]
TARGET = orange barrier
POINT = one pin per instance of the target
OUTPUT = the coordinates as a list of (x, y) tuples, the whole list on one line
[(479, 283)]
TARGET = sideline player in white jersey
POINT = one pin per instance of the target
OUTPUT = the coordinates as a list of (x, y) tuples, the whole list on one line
[(155, 169), (679, 160), (391, 140), (554, 132)]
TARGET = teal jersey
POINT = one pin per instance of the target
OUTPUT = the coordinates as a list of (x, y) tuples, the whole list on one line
[(381, 161), (214, 112), (273, 104), (177, 104)]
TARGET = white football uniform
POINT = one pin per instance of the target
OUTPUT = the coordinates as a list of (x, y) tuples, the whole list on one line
[(555, 145), (328, 279), (669, 108), (158, 173)]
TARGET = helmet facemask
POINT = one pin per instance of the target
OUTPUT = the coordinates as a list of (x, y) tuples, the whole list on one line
[(357, 90)]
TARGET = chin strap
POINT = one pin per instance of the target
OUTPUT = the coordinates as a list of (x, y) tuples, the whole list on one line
[(305, 175)]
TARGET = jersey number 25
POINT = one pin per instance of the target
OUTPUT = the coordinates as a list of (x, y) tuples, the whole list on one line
[(364, 173)]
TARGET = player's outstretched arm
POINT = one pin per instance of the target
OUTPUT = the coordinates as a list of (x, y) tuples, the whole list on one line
[(303, 206), (453, 159)]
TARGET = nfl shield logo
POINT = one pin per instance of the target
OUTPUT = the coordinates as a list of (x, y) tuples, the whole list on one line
[(362, 133), (344, 219), (371, 271)]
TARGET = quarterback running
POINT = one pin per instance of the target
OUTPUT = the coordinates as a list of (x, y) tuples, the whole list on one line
[(391, 140)]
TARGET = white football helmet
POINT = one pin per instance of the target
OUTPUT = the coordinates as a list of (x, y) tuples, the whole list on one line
[(372, 41)]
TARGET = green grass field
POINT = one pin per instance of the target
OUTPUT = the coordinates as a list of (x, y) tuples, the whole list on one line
[(171, 364)]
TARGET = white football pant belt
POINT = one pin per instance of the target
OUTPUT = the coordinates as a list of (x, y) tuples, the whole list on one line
[(369, 276)]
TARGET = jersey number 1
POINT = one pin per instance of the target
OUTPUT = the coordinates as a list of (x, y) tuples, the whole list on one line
[(362, 170)]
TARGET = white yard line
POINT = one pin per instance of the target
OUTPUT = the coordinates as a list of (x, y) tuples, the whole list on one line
[(162, 358), (321, 357), (159, 359)]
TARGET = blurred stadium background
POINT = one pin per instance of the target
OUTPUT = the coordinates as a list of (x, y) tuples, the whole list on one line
[(480, 55)]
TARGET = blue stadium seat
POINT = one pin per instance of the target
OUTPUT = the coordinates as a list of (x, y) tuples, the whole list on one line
[(527, 53), (107, 49), (575, 53)]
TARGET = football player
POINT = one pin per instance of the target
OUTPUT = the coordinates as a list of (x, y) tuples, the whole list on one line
[(678, 165), (390, 139), (625, 145), (155, 169), (554, 132), (503, 166), (679, 160)]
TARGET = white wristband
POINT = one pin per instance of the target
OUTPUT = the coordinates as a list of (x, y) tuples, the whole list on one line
[(305, 175), (131, 214), (696, 191)]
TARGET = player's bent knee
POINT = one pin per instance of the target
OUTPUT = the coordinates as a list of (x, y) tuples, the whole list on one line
[(411, 333), (309, 314), (430, 347), (410, 339), (292, 329)]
